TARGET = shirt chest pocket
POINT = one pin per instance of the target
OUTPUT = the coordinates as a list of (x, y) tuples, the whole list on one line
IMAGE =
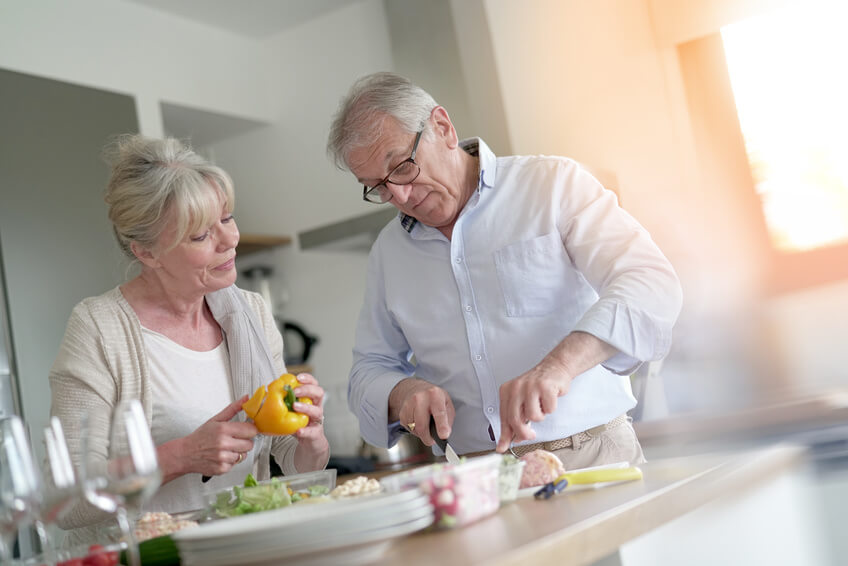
[(536, 276)]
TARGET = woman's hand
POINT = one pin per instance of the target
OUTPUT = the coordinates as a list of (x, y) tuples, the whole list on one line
[(213, 449), (313, 450)]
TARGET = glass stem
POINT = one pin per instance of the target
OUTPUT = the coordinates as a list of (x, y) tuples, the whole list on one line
[(129, 536), (47, 549), (6, 549)]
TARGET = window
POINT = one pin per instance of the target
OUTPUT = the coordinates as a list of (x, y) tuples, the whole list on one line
[(788, 76)]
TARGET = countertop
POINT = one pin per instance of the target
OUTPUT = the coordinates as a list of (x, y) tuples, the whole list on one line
[(584, 526), (775, 418)]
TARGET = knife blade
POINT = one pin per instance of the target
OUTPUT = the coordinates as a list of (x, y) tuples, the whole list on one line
[(450, 453)]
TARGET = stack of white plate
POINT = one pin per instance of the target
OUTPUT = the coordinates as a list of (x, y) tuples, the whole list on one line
[(345, 531)]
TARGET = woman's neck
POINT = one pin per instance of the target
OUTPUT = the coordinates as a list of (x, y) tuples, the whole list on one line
[(184, 319)]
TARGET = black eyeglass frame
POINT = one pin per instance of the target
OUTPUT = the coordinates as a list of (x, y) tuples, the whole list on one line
[(375, 190)]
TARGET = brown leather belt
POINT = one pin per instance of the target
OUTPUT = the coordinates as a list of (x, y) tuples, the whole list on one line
[(575, 440)]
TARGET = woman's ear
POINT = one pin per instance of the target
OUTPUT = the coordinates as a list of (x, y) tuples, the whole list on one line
[(144, 255), (443, 127)]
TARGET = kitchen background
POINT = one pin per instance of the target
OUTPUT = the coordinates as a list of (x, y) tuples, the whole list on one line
[(628, 87)]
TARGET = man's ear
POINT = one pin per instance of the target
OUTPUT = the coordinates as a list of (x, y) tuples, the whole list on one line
[(443, 127), (144, 255)]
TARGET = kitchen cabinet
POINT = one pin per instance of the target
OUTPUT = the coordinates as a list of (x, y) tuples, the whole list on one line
[(251, 243)]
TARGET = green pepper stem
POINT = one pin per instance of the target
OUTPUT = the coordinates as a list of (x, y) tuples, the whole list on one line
[(289, 399)]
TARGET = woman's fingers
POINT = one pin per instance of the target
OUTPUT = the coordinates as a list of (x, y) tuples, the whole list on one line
[(229, 411)]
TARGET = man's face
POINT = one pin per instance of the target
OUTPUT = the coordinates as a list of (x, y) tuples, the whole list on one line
[(435, 197)]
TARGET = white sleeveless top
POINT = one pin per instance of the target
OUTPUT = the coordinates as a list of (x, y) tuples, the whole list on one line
[(187, 389)]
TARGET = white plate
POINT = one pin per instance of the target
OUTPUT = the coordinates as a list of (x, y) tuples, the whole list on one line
[(356, 546), (316, 530), (248, 526)]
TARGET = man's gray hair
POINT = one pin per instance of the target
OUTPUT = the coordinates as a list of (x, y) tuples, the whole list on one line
[(362, 113)]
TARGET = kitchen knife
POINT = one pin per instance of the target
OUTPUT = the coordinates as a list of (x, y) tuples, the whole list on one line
[(601, 475), (450, 453), (593, 476)]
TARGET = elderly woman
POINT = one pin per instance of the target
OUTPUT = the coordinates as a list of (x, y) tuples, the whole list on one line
[(180, 337)]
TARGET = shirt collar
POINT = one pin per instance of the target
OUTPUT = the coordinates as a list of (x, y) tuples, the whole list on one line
[(478, 148)]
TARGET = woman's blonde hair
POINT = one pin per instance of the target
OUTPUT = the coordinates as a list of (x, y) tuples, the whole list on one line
[(156, 180)]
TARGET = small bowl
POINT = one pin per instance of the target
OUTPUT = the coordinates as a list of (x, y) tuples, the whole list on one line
[(509, 477), (460, 494), (299, 482)]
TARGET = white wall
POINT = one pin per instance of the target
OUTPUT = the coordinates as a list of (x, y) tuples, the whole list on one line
[(601, 82), (57, 242), (127, 48), (285, 184), (291, 81)]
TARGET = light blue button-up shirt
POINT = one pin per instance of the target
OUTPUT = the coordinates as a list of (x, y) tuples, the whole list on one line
[(540, 250)]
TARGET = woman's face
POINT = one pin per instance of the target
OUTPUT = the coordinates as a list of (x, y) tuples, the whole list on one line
[(202, 262)]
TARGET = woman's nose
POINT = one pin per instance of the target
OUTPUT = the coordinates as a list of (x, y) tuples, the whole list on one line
[(229, 237)]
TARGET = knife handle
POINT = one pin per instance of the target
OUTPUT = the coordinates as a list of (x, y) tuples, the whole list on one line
[(601, 475), (441, 442)]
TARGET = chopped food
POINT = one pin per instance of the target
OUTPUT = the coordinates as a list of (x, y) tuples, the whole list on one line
[(310, 492), (360, 485), (459, 494), (509, 477), (156, 524), (252, 498), (541, 467), (97, 556)]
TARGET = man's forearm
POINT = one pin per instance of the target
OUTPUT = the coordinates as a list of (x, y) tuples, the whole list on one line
[(578, 352)]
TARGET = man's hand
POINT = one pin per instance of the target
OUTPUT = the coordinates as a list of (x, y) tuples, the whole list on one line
[(533, 394), (528, 398), (413, 400)]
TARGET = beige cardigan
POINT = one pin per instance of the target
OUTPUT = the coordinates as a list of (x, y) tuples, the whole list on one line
[(102, 360)]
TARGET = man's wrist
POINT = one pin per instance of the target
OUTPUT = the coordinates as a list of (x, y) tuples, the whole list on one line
[(398, 394)]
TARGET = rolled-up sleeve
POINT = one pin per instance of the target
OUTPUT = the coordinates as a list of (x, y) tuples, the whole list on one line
[(381, 360), (639, 293)]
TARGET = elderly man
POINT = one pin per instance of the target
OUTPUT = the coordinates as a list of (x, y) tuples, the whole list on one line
[(509, 301)]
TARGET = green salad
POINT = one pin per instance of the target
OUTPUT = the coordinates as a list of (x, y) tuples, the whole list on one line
[(254, 496)]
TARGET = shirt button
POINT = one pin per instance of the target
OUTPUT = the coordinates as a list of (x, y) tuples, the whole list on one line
[(490, 410), (468, 308), (478, 357), (459, 260)]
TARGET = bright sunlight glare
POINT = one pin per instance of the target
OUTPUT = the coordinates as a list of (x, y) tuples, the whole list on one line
[(789, 79)]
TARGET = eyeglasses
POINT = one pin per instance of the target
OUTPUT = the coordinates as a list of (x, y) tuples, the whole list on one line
[(404, 173)]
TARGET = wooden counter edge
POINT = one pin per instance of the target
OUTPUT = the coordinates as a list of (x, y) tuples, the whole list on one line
[(603, 534)]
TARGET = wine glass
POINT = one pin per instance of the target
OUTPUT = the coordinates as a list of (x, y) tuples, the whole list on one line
[(20, 490), (61, 487), (132, 471)]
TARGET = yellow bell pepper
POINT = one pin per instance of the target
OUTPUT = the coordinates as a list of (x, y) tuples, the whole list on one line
[(275, 415)]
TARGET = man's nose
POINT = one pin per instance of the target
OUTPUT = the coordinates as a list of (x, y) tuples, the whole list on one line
[(400, 193)]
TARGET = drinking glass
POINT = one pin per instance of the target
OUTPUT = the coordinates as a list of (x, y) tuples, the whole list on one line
[(132, 471), (61, 487), (20, 490)]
